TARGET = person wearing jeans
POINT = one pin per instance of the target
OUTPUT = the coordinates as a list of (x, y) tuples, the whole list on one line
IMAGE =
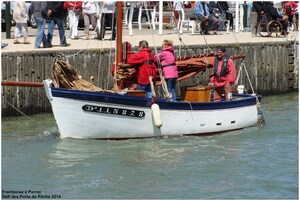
[(171, 85), (167, 60), (147, 88), (61, 31), (145, 61), (40, 35), (38, 7), (202, 13), (56, 14)]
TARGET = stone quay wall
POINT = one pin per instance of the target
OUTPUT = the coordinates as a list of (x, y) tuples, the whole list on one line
[(272, 68)]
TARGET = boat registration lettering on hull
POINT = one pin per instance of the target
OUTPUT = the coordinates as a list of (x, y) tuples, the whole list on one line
[(114, 111)]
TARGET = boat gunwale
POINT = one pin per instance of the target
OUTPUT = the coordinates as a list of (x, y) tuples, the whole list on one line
[(242, 100)]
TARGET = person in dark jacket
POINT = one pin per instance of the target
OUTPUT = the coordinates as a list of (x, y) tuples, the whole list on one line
[(225, 15), (40, 13), (202, 13), (56, 15), (256, 16), (273, 14)]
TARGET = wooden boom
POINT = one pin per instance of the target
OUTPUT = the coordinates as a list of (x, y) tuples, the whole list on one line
[(22, 84)]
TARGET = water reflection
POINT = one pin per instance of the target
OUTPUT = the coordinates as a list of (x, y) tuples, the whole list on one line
[(70, 152)]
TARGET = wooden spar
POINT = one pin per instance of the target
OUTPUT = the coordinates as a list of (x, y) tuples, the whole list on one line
[(22, 84), (119, 32), (119, 54), (241, 56)]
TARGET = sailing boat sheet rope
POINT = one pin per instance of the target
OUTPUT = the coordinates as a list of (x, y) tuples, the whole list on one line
[(243, 67), (164, 84), (22, 113)]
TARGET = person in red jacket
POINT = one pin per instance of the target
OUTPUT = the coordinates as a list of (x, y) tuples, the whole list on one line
[(289, 9), (130, 81), (145, 61), (223, 75), (126, 49)]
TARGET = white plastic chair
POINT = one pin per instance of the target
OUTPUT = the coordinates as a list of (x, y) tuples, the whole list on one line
[(185, 20)]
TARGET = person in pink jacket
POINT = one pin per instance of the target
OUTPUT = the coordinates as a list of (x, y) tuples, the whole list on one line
[(223, 74), (167, 60)]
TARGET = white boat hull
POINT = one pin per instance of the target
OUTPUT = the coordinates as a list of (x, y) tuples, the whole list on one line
[(113, 118)]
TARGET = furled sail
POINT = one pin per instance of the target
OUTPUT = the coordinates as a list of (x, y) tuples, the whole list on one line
[(64, 76), (187, 66)]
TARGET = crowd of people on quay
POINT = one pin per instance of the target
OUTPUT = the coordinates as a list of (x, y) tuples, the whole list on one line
[(212, 16), (60, 13)]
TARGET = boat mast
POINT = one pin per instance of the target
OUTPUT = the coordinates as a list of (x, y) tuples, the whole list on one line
[(119, 33), (119, 55)]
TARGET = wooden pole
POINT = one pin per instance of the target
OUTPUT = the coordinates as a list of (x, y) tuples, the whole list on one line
[(119, 32), (241, 56), (22, 84), (119, 49)]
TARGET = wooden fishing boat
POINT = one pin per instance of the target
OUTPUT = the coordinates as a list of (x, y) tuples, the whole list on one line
[(100, 114), (104, 115)]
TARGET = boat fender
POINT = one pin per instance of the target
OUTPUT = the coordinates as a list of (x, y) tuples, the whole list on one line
[(260, 115), (260, 118), (156, 115)]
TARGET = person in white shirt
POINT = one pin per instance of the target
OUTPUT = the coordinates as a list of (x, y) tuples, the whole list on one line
[(90, 10), (74, 12), (108, 18), (20, 17), (178, 6)]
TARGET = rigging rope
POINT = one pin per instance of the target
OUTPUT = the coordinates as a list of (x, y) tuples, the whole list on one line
[(180, 38), (29, 117), (164, 85), (243, 66), (171, 9), (201, 31), (239, 74), (238, 44), (260, 116)]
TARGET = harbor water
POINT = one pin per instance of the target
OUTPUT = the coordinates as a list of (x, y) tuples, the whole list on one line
[(254, 163)]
